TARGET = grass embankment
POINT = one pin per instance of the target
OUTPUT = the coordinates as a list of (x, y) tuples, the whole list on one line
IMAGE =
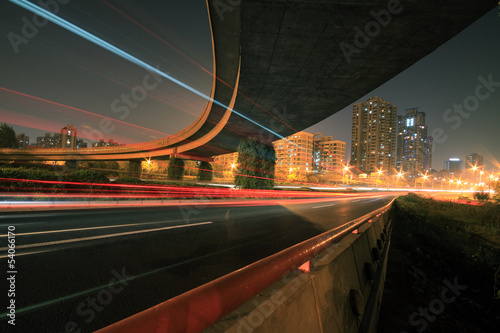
[(442, 265)]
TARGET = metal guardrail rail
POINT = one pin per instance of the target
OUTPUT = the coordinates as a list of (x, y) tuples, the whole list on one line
[(199, 308)]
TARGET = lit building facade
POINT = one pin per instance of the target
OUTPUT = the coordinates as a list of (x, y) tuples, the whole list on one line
[(474, 166), (453, 165), (373, 135), (295, 153), (300, 153), (328, 154), (81, 144), (68, 137), (474, 160), (49, 141), (102, 143), (23, 141), (414, 147), (226, 160)]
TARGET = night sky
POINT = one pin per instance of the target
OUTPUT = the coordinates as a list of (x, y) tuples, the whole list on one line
[(61, 67), (446, 77), (88, 82)]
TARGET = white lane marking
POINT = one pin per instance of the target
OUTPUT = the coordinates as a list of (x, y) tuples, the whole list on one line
[(324, 206), (74, 240), (28, 253), (89, 228)]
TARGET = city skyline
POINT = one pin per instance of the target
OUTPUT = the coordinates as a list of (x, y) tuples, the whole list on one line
[(443, 84), (438, 85)]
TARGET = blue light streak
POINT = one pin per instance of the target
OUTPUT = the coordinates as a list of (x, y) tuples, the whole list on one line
[(102, 43)]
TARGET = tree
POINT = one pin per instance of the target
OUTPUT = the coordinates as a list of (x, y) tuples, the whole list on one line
[(71, 164), (175, 168), (7, 137), (205, 171), (256, 164)]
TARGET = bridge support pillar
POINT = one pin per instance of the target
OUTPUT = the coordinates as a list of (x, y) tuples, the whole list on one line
[(134, 168)]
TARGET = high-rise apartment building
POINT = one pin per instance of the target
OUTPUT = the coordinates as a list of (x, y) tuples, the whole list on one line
[(294, 153), (23, 140), (102, 143), (474, 167), (328, 154), (68, 137), (474, 160), (81, 144), (414, 147), (65, 139), (373, 135), (48, 141), (453, 165)]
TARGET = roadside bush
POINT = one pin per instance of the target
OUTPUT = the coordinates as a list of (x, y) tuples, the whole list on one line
[(27, 174), (22, 173), (128, 180), (88, 176), (175, 168), (481, 196), (71, 165), (205, 171), (256, 164)]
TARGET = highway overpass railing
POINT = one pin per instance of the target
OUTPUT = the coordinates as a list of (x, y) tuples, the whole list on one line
[(330, 283)]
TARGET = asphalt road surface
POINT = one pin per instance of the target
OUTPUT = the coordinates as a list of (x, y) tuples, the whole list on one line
[(81, 270)]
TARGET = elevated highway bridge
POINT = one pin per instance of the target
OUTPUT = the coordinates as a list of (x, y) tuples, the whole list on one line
[(282, 66)]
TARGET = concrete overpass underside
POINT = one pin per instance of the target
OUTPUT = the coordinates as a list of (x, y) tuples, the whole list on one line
[(304, 60), (287, 65)]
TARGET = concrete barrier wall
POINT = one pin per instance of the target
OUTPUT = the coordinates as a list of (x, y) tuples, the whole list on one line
[(341, 291)]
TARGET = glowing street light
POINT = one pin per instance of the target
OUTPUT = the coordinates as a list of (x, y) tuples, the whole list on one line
[(346, 168), (473, 169), (399, 174), (489, 183), (379, 175), (424, 178)]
